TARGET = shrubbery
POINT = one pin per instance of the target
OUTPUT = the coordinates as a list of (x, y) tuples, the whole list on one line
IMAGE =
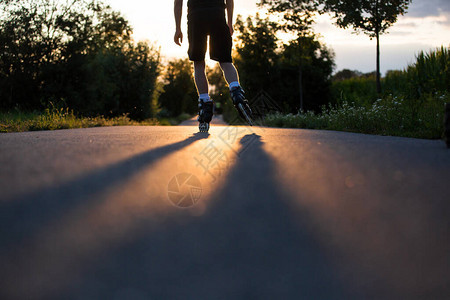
[(412, 103), (361, 90)]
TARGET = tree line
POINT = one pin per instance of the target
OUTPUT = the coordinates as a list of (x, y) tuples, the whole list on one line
[(73, 53), (80, 54)]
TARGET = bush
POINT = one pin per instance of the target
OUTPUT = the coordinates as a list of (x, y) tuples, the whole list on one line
[(387, 116), (429, 75), (360, 91)]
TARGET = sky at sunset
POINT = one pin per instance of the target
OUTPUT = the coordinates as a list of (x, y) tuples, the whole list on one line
[(425, 26)]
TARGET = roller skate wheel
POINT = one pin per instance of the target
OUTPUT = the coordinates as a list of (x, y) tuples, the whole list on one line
[(203, 127)]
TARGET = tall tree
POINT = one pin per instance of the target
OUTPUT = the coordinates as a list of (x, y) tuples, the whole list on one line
[(256, 53), (307, 64), (372, 17), (179, 94), (297, 19), (297, 15), (297, 74)]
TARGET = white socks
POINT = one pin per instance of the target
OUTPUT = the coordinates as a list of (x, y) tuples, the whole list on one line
[(204, 97), (234, 84)]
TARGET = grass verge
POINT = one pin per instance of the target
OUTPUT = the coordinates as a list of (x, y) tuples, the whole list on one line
[(65, 119), (389, 116)]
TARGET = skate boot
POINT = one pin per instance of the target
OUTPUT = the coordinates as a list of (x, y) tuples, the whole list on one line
[(204, 115), (241, 104)]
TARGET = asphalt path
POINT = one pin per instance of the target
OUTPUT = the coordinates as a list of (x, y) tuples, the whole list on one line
[(239, 213)]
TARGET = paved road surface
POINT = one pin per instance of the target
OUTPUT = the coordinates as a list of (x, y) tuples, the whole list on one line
[(282, 214)]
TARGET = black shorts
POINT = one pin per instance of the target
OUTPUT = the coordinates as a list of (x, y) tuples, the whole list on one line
[(204, 23)]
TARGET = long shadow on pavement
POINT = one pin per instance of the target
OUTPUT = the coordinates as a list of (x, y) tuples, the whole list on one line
[(22, 216), (247, 245)]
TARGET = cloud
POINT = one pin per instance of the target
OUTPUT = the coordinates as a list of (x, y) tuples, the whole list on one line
[(407, 25), (427, 8), (362, 57), (401, 33)]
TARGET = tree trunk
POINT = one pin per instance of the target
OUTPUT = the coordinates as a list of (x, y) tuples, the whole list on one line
[(378, 64), (447, 125), (300, 85)]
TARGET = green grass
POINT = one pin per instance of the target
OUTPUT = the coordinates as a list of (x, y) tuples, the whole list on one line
[(53, 119), (175, 121)]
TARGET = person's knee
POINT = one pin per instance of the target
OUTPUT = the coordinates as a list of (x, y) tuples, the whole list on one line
[(199, 65), (225, 65)]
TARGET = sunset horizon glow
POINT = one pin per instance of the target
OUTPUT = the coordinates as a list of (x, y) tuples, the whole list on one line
[(424, 27)]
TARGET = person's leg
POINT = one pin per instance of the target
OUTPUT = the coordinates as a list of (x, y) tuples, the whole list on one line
[(236, 91), (230, 73), (220, 43), (201, 82), (220, 50), (204, 101)]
